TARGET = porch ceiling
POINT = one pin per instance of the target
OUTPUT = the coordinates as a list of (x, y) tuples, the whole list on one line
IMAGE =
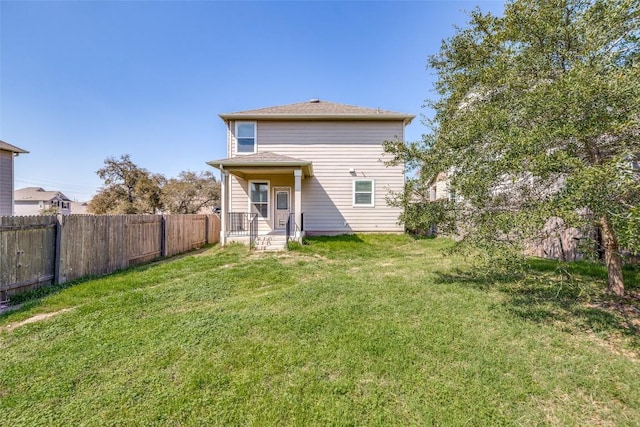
[(263, 164), (242, 172)]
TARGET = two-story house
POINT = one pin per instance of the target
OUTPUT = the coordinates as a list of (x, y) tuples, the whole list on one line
[(7, 154), (36, 200), (314, 167)]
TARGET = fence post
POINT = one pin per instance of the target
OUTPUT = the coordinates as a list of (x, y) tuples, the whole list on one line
[(126, 252), (206, 229), (58, 250), (163, 237)]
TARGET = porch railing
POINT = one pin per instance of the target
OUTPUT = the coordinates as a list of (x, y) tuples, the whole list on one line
[(243, 224), (292, 227), (238, 223)]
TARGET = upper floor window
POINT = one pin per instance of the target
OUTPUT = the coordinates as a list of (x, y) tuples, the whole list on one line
[(246, 137), (363, 194)]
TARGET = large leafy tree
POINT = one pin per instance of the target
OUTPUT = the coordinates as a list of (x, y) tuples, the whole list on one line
[(538, 116), (128, 189), (191, 192)]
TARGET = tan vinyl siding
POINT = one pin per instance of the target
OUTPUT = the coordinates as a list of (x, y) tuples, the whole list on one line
[(334, 148), (6, 183)]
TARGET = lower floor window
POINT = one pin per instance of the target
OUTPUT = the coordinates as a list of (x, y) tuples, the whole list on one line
[(259, 198), (363, 194)]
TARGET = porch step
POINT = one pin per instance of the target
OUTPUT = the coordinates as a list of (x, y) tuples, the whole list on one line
[(270, 243)]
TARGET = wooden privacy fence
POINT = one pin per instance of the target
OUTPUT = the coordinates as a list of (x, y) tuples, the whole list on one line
[(41, 250), (27, 252), (557, 241)]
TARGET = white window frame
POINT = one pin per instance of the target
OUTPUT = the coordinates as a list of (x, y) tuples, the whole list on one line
[(250, 203), (373, 194), (255, 137)]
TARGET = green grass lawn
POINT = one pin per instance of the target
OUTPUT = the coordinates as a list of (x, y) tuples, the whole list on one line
[(355, 330)]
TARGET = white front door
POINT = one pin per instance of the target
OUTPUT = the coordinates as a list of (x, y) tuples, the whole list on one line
[(281, 207)]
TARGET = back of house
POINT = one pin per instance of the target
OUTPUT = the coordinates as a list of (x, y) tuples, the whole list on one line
[(317, 164)]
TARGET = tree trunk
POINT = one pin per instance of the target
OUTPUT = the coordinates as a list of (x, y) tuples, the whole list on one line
[(615, 282)]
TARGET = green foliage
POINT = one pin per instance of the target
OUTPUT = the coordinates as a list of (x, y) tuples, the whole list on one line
[(538, 116), (191, 192), (128, 189), (51, 210), (294, 246)]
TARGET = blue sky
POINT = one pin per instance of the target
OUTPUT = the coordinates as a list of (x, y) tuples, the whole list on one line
[(84, 80)]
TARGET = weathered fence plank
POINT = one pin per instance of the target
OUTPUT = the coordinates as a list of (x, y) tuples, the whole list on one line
[(184, 232), (213, 229), (92, 245), (557, 241), (144, 233), (27, 252), (41, 250)]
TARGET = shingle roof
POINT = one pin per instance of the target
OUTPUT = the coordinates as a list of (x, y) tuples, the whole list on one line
[(265, 161), (318, 110), (8, 147), (37, 194), (263, 157)]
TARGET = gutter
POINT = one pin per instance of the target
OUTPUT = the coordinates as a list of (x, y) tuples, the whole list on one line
[(300, 117)]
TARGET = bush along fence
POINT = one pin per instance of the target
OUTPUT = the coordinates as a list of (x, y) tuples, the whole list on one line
[(37, 251)]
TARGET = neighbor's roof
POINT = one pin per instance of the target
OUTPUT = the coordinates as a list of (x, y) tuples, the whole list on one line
[(8, 147), (79, 207), (29, 194), (262, 160), (318, 110), (265, 157)]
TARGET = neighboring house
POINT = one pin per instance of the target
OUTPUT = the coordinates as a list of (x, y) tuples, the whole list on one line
[(79, 208), (439, 189), (33, 200), (7, 153), (316, 165)]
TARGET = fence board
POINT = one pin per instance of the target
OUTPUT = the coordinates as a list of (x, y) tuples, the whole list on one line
[(27, 249), (144, 233), (40, 250), (92, 245), (556, 241), (184, 232), (213, 229)]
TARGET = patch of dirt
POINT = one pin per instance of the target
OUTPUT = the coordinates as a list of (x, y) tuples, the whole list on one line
[(291, 258), (627, 310), (614, 346), (628, 313), (36, 318)]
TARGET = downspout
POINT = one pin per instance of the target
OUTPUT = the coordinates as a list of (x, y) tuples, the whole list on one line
[(297, 174), (12, 169), (223, 208)]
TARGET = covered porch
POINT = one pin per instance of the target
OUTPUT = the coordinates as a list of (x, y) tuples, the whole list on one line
[(261, 198)]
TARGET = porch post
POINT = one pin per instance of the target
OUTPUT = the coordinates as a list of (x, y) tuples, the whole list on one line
[(223, 209), (297, 173)]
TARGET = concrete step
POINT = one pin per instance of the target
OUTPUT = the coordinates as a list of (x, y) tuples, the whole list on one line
[(270, 243)]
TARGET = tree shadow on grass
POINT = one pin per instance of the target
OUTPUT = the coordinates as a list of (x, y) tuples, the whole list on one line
[(568, 295)]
